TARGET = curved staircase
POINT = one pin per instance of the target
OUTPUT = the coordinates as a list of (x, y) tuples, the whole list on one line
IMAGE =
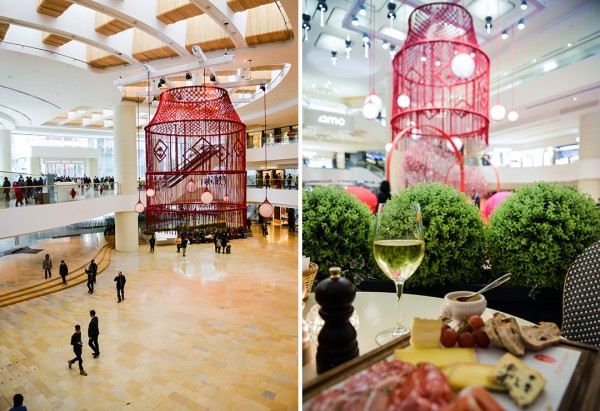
[(75, 277)]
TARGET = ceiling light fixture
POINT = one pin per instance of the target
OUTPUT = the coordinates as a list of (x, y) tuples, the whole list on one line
[(161, 82), (266, 209), (373, 104), (362, 11), (488, 24), (385, 45), (365, 38), (392, 51), (523, 4), (213, 78), (305, 25), (521, 24), (333, 57), (322, 6), (497, 112), (188, 76), (348, 47), (354, 21), (391, 13), (139, 207), (504, 35)]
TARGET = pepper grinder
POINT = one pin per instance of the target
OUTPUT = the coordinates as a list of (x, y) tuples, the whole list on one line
[(337, 338)]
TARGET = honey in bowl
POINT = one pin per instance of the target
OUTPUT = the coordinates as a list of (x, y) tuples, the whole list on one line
[(460, 310)]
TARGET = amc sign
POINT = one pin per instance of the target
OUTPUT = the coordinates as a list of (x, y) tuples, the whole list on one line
[(328, 120)]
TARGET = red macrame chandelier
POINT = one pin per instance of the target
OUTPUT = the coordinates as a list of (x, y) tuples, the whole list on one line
[(196, 161), (440, 92)]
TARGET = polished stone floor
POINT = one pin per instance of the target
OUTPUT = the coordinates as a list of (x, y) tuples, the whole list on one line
[(203, 332)]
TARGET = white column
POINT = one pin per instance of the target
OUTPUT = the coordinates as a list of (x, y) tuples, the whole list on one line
[(5, 151), (126, 226), (589, 155), (34, 166), (92, 167)]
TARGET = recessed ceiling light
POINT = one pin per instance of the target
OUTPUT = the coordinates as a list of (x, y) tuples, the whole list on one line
[(534, 60), (569, 44), (551, 65), (574, 98)]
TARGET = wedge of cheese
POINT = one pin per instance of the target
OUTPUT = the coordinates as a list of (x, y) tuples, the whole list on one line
[(524, 384), (440, 357), (425, 333), (461, 375)]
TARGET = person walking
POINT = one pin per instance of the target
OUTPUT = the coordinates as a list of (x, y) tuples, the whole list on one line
[(120, 280), (152, 243), (18, 403), (93, 333), (77, 349), (476, 198), (178, 243), (6, 189), (47, 266), (94, 268), (90, 280), (184, 242), (63, 270)]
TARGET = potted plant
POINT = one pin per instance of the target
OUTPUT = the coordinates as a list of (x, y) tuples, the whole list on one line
[(454, 236), (335, 232)]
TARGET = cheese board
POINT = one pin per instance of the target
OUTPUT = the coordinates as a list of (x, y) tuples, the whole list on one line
[(571, 370)]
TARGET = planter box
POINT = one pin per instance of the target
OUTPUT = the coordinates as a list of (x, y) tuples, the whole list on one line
[(545, 305)]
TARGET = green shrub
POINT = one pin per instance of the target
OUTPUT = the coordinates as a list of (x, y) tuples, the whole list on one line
[(148, 232), (335, 232), (454, 235), (537, 233)]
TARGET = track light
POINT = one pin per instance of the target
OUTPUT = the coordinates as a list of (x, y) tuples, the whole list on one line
[(161, 82), (392, 51), (504, 35), (362, 11), (188, 76), (306, 25), (523, 4), (355, 21), (488, 24), (521, 24), (391, 13), (385, 45), (322, 7), (213, 78), (365, 38), (366, 45), (333, 57)]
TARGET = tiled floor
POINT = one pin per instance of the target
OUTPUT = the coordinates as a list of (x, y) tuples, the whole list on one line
[(205, 332)]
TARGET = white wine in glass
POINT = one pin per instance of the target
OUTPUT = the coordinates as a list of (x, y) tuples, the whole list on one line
[(398, 248)]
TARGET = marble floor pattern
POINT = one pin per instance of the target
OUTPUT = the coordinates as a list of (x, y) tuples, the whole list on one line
[(203, 332)]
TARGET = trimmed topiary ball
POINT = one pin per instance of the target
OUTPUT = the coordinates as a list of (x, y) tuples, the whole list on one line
[(537, 233), (335, 232), (454, 235)]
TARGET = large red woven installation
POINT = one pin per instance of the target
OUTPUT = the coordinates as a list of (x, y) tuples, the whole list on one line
[(441, 80), (196, 161)]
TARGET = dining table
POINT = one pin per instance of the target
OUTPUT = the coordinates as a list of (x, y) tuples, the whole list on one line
[(376, 311)]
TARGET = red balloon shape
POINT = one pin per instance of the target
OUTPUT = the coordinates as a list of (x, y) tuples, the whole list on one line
[(494, 200)]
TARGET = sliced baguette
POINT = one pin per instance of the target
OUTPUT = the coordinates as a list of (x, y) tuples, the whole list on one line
[(537, 337), (510, 334), (490, 328)]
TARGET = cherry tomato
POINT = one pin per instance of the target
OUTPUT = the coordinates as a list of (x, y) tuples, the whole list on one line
[(475, 322), (444, 328), (466, 340), (481, 338), (449, 337)]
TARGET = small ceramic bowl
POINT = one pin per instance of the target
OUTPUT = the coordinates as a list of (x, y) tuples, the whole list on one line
[(461, 310)]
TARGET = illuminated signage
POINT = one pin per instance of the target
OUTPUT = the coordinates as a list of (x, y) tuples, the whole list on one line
[(332, 120)]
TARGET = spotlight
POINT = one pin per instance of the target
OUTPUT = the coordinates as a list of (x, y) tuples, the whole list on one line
[(161, 82), (488, 24), (188, 76), (391, 11), (385, 45), (521, 24), (392, 51), (333, 57), (504, 35), (348, 48), (362, 11), (213, 78), (365, 38), (355, 21), (306, 25), (523, 4)]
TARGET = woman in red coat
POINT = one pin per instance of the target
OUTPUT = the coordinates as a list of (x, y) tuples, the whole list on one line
[(18, 194)]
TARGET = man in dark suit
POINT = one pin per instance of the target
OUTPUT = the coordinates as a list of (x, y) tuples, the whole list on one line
[(77, 348), (93, 333), (120, 280)]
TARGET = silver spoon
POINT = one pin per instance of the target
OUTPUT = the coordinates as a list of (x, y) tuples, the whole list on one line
[(493, 284)]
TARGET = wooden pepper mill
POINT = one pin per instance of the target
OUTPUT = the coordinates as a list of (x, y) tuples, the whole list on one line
[(337, 338)]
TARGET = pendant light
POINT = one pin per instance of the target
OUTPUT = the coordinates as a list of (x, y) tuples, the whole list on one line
[(512, 114), (139, 207), (266, 209), (191, 186), (498, 112), (373, 104), (149, 190)]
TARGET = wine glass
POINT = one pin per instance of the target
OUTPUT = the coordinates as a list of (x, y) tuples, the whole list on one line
[(398, 247)]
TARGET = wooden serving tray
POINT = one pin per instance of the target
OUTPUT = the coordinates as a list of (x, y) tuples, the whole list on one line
[(582, 393)]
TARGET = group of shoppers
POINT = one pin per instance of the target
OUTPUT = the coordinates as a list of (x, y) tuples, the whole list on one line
[(24, 189), (93, 333), (63, 270)]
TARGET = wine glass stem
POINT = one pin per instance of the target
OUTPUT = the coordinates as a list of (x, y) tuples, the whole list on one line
[(400, 328)]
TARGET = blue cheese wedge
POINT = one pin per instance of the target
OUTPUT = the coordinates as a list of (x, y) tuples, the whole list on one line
[(524, 384)]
